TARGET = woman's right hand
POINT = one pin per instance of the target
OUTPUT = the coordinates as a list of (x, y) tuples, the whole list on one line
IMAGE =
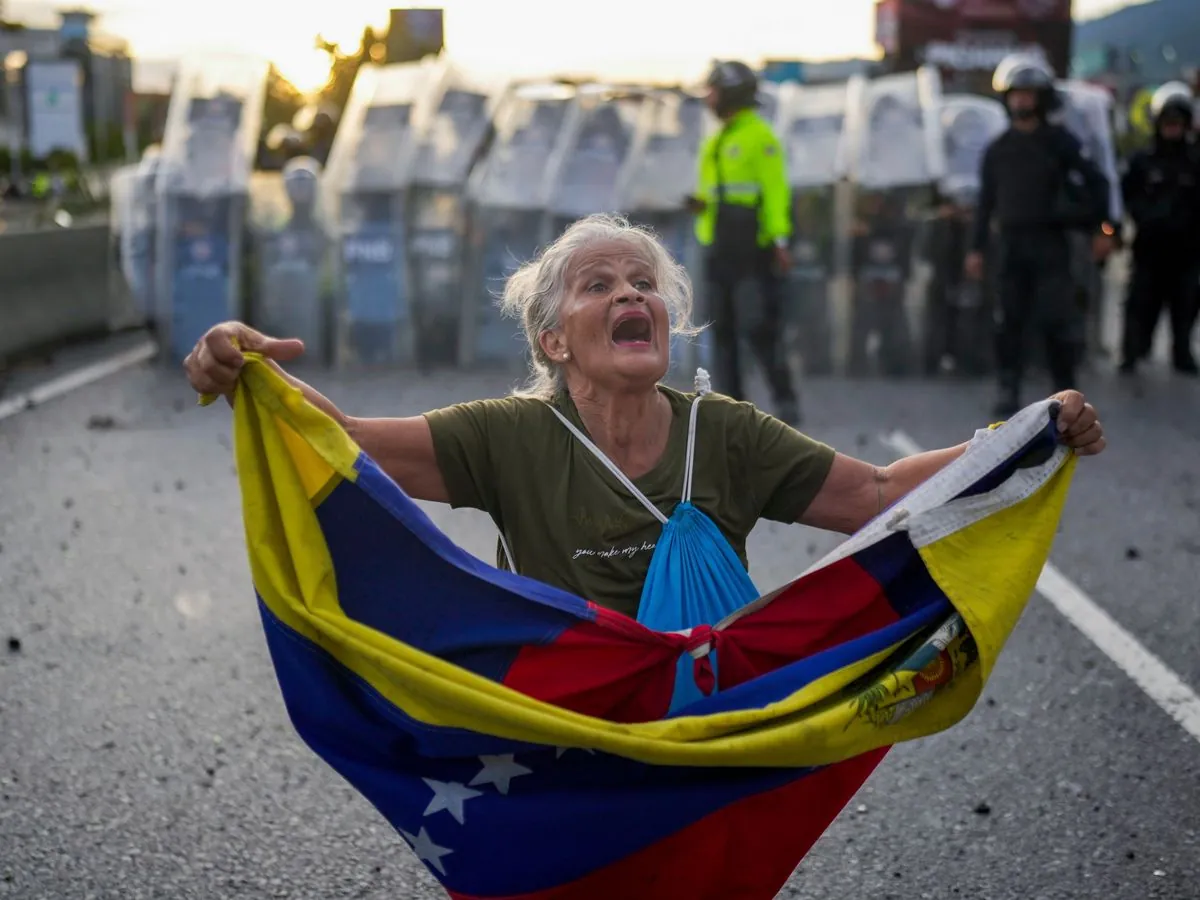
[(216, 361)]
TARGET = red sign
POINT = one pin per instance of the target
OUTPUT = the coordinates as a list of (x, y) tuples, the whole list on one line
[(966, 39)]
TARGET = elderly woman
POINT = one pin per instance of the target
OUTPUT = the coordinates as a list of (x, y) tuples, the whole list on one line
[(581, 471)]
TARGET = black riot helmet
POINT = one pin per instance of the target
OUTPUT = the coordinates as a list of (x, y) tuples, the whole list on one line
[(1172, 99), (1025, 72), (735, 87), (301, 181)]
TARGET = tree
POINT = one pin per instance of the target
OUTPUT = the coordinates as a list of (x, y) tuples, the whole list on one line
[(343, 66), (283, 100)]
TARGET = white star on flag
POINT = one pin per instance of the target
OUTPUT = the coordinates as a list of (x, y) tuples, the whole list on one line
[(499, 770), (450, 796), (427, 850)]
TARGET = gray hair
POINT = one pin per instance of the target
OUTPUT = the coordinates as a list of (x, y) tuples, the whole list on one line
[(535, 292)]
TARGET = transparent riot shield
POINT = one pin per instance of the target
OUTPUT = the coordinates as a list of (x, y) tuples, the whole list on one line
[(140, 213), (366, 187), (896, 157), (447, 152), (812, 126), (208, 152), (958, 313), (969, 125), (1086, 110), (599, 135), (659, 174), (895, 132), (292, 295), (124, 300), (508, 193)]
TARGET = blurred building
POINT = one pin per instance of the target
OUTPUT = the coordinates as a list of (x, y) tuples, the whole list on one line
[(966, 39), (39, 63), (414, 33)]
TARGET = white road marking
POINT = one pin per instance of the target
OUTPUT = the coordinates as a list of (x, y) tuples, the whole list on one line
[(1146, 670), (85, 375)]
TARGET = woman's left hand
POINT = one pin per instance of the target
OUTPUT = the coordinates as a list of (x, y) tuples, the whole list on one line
[(1079, 425)]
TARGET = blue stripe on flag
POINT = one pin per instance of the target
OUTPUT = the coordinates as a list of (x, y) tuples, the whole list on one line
[(397, 573), (785, 681), (565, 814)]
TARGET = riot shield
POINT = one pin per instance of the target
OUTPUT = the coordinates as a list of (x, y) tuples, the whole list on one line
[(131, 195), (598, 137), (886, 224), (366, 185), (661, 168), (659, 174), (447, 151), (508, 193), (125, 299), (461, 105), (958, 314), (292, 289), (896, 157), (895, 132), (208, 151), (812, 126), (969, 125), (1086, 111)]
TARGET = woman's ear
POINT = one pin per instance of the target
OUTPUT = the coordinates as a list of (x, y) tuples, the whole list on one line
[(553, 345)]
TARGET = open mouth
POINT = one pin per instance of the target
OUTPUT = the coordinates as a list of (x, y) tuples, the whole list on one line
[(632, 331)]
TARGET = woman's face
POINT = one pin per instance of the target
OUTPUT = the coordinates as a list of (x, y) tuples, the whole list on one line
[(613, 323)]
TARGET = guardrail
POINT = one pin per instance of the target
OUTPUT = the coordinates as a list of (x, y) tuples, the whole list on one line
[(56, 286)]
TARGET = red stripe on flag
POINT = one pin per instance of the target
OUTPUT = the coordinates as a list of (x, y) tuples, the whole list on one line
[(831, 606), (612, 669), (747, 850)]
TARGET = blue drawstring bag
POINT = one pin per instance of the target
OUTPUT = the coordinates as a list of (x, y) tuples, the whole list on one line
[(695, 577)]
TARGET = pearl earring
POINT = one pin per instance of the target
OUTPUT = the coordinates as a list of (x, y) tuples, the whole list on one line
[(566, 356)]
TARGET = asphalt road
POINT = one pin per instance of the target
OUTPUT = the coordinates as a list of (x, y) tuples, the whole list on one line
[(145, 751)]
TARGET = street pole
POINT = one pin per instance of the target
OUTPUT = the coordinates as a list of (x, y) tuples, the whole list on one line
[(13, 64)]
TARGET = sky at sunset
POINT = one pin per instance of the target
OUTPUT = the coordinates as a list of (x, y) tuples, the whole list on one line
[(623, 38)]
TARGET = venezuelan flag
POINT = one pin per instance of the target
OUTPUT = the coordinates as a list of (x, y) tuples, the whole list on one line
[(518, 737)]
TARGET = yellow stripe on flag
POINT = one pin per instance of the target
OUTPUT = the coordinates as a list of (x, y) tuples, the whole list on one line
[(987, 570)]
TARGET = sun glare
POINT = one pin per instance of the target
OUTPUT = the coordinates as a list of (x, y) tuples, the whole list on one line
[(307, 69)]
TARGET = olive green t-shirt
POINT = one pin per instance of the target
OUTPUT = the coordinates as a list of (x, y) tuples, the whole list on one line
[(570, 523)]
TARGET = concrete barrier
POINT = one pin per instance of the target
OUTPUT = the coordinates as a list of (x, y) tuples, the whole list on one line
[(56, 285)]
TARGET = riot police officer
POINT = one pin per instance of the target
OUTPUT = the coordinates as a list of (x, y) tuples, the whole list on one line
[(1161, 188), (953, 304), (743, 206), (1037, 185), (292, 294)]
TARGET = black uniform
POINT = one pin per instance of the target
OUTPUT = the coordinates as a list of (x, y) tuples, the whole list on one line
[(951, 332), (1162, 193), (1030, 186), (881, 259)]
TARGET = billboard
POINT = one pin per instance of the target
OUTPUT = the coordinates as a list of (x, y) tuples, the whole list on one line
[(54, 111), (967, 39), (414, 34)]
